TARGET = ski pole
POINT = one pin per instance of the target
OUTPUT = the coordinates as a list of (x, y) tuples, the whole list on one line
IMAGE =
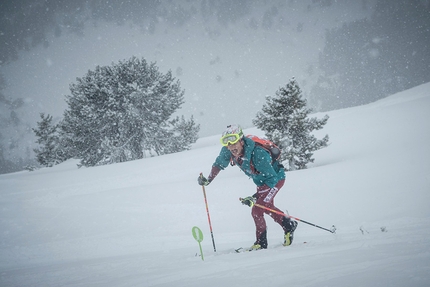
[(207, 211), (332, 230)]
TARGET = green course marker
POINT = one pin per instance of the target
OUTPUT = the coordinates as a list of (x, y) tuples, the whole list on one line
[(198, 236)]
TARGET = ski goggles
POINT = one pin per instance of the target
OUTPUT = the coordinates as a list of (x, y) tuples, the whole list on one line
[(230, 139)]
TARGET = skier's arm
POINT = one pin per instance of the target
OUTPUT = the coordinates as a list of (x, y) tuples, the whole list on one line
[(221, 162), (214, 172)]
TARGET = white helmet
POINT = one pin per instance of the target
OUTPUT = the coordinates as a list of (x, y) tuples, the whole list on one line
[(232, 130)]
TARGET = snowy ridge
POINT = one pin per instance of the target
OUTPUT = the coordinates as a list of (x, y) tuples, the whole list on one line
[(130, 224)]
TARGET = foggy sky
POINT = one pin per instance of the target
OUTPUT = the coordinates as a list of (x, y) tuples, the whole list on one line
[(234, 64)]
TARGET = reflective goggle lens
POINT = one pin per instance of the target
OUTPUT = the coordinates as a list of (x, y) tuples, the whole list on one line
[(230, 139)]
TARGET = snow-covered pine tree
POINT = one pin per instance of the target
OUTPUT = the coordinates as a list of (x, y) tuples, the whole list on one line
[(183, 134), (284, 119), (49, 152), (122, 112)]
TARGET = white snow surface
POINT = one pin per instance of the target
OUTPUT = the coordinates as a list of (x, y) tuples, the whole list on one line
[(130, 224)]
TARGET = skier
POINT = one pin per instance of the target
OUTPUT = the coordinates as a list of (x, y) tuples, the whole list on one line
[(255, 162)]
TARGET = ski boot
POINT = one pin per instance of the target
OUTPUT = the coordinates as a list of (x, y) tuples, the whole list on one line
[(290, 226)]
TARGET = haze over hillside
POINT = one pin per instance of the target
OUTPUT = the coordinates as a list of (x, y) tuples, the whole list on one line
[(228, 55)]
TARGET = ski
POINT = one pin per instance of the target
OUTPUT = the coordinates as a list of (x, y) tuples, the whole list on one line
[(249, 249), (241, 250)]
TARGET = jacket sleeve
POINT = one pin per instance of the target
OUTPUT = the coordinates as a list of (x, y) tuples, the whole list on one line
[(221, 162)]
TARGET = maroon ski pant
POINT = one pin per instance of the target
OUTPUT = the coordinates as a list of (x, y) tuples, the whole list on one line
[(265, 197)]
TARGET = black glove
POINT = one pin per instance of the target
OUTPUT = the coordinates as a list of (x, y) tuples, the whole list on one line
[(249, 200), (203, 180)]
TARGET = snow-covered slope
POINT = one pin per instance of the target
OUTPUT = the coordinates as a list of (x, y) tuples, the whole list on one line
[(130, 224)]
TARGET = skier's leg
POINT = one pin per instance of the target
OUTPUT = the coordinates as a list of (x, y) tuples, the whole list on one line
[(266, 198), (260, 226)]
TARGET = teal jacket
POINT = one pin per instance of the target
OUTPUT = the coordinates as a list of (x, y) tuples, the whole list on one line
[(257, 164)]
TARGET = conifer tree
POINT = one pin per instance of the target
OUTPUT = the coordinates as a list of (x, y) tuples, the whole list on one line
[(123, 112), (49, 153), (284, 119)]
